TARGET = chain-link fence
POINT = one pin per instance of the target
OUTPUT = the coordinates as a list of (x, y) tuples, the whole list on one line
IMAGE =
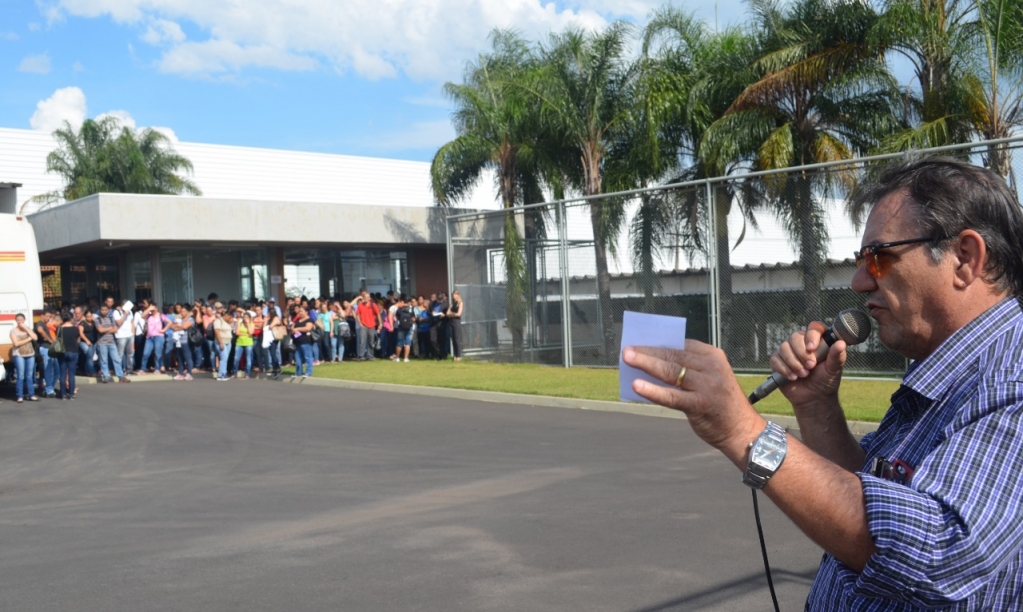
[(746, 259)]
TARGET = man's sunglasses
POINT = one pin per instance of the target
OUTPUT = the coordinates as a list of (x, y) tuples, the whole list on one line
[(871, 256)]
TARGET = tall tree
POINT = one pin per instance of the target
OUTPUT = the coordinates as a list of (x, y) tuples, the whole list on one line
[(823, 94), (497, 130), (935, 37), (996, 95), (586, 82), (709, 71), (104, 157)]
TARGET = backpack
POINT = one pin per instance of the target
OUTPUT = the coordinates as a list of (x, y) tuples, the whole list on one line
[(405, 318), (195, 335), (343, 329)]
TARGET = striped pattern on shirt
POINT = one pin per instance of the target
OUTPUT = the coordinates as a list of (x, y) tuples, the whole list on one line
[(952, 536)]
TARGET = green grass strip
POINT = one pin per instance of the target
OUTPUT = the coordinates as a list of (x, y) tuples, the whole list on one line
[(863, 400)]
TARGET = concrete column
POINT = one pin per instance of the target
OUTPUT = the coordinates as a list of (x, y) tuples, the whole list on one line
[(157, 276), (275, 264)]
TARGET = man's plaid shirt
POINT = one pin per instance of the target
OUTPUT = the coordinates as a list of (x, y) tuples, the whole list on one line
[(951, 536)]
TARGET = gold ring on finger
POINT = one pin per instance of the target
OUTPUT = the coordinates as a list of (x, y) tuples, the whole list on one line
[(681, 375)]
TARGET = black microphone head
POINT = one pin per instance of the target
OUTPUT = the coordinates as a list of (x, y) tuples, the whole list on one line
[(852, 325)]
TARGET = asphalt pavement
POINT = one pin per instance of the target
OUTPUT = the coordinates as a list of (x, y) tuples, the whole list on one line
[(256, 495)]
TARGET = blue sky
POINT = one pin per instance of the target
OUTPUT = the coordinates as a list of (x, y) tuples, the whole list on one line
[(333, 76)]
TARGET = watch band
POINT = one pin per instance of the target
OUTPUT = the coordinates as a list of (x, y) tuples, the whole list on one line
[(773, 437)]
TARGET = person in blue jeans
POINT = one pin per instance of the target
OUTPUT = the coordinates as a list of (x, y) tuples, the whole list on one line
[(223, 332), (244, 345), (87, 342), (50, 365), (106, 325), (300, 329), (271, 359), (69, 333), (156, 328), (22, 338)]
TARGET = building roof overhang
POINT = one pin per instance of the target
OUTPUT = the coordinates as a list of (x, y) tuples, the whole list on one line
[(116, 221)]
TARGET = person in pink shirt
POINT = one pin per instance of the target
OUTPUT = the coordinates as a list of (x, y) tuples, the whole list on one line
[(156, 326)]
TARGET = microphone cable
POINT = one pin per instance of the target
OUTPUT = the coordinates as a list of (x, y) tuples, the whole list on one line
[(852, 326), (763, 551)]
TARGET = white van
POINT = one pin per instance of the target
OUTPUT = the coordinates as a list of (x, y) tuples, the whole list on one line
[(21, 283)]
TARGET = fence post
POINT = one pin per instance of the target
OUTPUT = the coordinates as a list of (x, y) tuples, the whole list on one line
[(566, 308), (712, 266), (451, 256)]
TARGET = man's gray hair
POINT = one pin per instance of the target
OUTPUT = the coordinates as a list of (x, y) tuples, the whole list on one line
[(950, 196)]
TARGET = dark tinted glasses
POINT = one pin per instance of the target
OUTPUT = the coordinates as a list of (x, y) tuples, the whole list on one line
[(877, 262)]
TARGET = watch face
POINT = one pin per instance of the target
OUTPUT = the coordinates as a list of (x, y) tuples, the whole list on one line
[(767, 455)]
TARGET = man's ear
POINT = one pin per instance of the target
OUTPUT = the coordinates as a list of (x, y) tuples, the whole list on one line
[(970, 252)]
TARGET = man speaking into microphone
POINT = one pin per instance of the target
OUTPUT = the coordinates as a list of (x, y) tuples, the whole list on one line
[(927, 512)]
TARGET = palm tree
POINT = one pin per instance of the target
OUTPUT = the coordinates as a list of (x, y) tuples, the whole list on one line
[(103, 157), (823, 94), (710, 70), (936, 37), (586, 84), (497, 130), (997, 69)]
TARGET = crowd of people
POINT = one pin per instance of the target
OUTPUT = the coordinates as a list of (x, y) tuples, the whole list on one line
[(115, 340)]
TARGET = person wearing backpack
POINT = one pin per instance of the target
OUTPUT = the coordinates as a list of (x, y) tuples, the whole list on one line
[(50, 366), (339, 333), (405, 320)]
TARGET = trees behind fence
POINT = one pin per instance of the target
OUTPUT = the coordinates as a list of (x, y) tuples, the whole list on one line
[(568, 318)]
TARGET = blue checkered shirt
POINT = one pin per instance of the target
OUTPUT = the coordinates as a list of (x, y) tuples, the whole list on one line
[(951, 537)]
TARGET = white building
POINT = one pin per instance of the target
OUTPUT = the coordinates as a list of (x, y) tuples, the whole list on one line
[(268, 223)]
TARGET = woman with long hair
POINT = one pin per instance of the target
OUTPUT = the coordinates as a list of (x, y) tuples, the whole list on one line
[(454, 317), (272, 328), (23, 339), (301, 329), (69, 334)]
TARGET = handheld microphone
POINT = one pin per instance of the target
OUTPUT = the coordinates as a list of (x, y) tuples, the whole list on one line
[(851, 325)]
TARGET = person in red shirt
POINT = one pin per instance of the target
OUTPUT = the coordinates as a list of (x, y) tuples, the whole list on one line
[(367, 313)]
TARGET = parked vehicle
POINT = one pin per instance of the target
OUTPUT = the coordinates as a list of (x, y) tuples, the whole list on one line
[(21, 284)]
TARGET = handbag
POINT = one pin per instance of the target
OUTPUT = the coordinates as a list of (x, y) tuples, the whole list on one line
[(287, 344), (57, 348), (279, 332), (316, 334)]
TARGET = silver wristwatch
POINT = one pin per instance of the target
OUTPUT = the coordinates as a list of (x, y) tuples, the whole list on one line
[(766, 454)]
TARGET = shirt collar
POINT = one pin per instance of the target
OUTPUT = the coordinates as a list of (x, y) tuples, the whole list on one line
[(936, 373)]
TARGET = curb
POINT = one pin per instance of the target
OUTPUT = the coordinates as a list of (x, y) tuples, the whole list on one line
[(858, 428)]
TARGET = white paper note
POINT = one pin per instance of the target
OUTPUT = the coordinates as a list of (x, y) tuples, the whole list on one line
[(641, 329)]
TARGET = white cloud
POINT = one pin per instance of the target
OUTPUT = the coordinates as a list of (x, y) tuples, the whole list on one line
[(161, 31), (36, 64), (11, 36), (220, 56), (169, 133), (67, 104), (424, 39), (78, 67), (123, 117)]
